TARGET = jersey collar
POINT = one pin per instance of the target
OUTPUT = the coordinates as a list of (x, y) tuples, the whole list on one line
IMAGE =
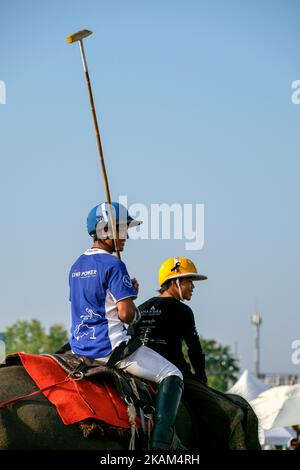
[(94, 251)]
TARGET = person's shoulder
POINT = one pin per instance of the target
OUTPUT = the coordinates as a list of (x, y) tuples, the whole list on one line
[(109, 260), (148, 303), (186, 308), (116, 263), (77, 262), (169, 300), (182, 307), (113, 266)]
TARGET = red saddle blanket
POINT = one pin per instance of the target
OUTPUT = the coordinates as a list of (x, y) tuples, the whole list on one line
[(75, 400)]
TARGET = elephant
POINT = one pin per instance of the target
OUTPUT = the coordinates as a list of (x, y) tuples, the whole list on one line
[(34, 424)]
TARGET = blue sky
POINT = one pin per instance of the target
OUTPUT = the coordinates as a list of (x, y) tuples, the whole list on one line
[(194, 105)]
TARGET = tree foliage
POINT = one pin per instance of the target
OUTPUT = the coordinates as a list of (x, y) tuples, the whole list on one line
[(31, 337), (221, 365)]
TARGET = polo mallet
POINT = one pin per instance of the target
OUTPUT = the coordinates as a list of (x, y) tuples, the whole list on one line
[(79, 36)]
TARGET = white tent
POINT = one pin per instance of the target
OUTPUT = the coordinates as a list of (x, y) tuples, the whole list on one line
[(279, 406), (249, 387)]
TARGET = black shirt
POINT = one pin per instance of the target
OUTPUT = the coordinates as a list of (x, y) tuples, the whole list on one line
[(165, 322)]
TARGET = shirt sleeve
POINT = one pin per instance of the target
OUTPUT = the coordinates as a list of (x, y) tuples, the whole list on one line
[(119, 282), (191, 337)]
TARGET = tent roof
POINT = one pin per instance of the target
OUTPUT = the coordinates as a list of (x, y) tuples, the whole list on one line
[(279, 406), (248, 386)]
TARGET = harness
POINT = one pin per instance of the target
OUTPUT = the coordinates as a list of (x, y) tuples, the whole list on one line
[(138, 396)]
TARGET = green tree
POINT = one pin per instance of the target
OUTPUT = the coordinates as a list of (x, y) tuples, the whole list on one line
[(31, 337), (221, 365), (57, 337)]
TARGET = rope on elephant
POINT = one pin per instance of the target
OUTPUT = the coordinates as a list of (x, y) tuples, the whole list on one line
[(132, 420), (36, 392)]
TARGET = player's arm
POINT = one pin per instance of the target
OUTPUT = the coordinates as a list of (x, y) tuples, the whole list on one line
[(195, 352), (124, 292), (126, 310)]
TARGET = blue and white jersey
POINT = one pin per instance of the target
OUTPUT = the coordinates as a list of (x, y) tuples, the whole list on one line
[(98, 280)]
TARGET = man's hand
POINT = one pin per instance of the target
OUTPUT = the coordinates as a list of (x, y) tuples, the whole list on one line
[(135, 285)]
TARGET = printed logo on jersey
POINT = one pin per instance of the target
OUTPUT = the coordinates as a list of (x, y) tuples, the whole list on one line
[(85, 274), (127, 281), (152, 311), (82, 329)]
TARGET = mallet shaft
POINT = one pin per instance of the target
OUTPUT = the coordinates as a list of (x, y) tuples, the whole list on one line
[(78, 37)]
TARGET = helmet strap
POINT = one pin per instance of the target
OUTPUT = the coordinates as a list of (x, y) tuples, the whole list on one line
[(179, 289)]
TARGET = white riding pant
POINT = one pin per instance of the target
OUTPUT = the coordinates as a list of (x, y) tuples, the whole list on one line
[(146, 364)]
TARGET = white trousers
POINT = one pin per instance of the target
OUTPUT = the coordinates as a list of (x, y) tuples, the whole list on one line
[(146, 364)]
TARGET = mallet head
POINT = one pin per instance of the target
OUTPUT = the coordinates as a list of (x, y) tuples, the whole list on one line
[(84, 33)]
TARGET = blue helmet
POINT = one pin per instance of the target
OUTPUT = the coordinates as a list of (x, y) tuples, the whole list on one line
[(101, 213)]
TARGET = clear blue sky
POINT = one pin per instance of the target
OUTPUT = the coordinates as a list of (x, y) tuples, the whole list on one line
[(194, 103)]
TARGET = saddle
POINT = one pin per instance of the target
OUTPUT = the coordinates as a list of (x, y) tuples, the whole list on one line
[(131, 389), (100, 387), (136, 393)]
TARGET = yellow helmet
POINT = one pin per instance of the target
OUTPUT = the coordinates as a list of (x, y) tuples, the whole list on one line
[(176, 267)]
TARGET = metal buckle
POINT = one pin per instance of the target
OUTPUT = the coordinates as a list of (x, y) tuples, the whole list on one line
[(128, 400), (77, 375)]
